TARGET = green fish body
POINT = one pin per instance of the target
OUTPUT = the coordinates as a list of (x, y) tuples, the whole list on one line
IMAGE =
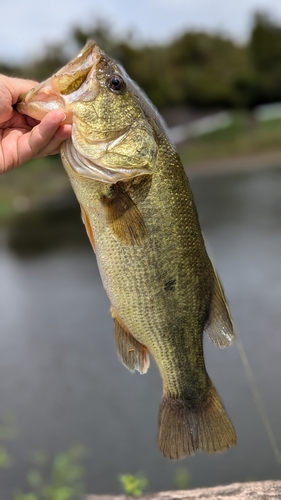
[(142, 222)]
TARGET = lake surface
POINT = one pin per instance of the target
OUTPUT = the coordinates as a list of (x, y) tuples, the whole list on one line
[(61, 377)]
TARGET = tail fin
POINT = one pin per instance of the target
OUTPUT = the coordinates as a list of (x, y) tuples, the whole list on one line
[(182, 431)]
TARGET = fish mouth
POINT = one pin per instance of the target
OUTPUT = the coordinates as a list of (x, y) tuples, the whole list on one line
[(38, 101), (64, 87)]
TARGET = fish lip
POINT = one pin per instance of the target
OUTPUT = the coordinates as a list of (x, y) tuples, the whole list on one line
[(45, 97), (23, 96), (39, 100)]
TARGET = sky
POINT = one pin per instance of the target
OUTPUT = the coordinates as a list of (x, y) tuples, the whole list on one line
[(28, 25)]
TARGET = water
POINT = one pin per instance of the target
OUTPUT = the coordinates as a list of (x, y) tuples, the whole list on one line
[(60, 375)]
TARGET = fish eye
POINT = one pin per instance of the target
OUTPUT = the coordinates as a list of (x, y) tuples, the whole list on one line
[(116, 84)]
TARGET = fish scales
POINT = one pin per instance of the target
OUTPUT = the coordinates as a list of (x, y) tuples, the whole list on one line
[(127, 270), (141, 219)]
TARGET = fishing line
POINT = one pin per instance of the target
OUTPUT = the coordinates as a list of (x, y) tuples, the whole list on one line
[(257, 397), (252, 380)]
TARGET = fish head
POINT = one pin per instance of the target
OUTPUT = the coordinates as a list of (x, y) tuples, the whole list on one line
[(112, 138)]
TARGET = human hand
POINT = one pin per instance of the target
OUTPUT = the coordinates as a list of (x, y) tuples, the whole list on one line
[(22, 137)]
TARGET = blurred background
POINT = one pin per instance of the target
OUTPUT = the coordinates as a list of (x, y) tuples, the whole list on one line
[(71, 416)]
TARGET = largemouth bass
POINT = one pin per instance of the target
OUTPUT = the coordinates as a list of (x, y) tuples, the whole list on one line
[(142, 222)]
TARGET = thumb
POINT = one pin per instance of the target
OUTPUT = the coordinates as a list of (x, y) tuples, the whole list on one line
[(10, 90), (6, 110)]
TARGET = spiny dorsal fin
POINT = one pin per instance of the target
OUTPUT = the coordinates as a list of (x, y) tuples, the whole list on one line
[(219, 327), (124, 217), (133, 354)]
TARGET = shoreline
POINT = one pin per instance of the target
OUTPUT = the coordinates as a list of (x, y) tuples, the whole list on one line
[(232, 165), (224, 166)]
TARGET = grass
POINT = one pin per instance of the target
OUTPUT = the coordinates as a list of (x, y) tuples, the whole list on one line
[(244, 137), (36, 183)]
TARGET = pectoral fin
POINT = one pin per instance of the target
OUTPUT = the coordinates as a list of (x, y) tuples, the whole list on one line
[(88, 227), (124, 217), (133, 354), (219, 327)]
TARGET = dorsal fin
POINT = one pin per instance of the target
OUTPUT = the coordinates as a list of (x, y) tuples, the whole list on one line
[(219, 327)]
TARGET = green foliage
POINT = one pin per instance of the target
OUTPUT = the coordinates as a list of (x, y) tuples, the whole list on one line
[(244, 137), (5, 460), (7, 431), (265, 51), (34, 478), (182, 479), (8, 428), (195, 69), (60, 479), (133, 484), (207, 68), (28, 496), (57, 479)]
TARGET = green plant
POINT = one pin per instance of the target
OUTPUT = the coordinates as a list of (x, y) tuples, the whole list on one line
[(7, 431), (182, 479), (5, 459), (133, 484), (60, 479)]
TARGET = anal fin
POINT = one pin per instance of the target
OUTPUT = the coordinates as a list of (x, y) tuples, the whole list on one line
[(133, 354), (219, 327)]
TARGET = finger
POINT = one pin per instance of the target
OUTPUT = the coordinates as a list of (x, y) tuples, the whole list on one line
[(31, 122), (53, 147), (10, 90), (33, 142), (16, 86)]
